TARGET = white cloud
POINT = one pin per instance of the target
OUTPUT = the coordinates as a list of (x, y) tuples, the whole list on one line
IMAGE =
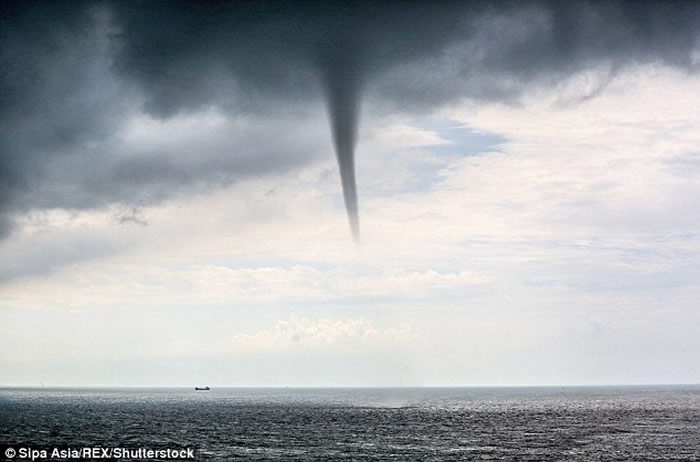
[(583, 222), (320, 333)]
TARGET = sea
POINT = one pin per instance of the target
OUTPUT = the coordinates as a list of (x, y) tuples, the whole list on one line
[(639, 423)]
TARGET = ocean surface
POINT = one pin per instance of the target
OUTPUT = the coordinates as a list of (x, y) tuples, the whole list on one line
[(519, 424)]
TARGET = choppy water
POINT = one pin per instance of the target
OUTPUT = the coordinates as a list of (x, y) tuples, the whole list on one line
[(535, 424)]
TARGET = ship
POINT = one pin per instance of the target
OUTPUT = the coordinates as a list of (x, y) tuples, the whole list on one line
[(202, 388)]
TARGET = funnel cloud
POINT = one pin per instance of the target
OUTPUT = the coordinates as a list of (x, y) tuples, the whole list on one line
[(342, 84)]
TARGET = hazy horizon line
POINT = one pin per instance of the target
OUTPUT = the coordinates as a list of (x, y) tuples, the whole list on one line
[(40, 387)]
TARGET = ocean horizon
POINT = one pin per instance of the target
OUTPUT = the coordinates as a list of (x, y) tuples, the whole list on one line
[(633, 422)]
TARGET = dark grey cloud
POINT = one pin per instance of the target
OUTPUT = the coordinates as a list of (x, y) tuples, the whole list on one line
[(72, 74)]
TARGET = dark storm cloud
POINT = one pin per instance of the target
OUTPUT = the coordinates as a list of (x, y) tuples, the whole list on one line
[(71, 74)]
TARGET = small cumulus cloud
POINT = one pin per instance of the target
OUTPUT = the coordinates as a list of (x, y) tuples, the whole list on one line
[(297, 331), (313, 335), (134, 215)]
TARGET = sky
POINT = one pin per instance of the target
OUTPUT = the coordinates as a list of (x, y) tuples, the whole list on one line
[(518, 203)]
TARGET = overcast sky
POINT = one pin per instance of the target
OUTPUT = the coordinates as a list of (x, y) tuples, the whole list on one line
[(171, 210)]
